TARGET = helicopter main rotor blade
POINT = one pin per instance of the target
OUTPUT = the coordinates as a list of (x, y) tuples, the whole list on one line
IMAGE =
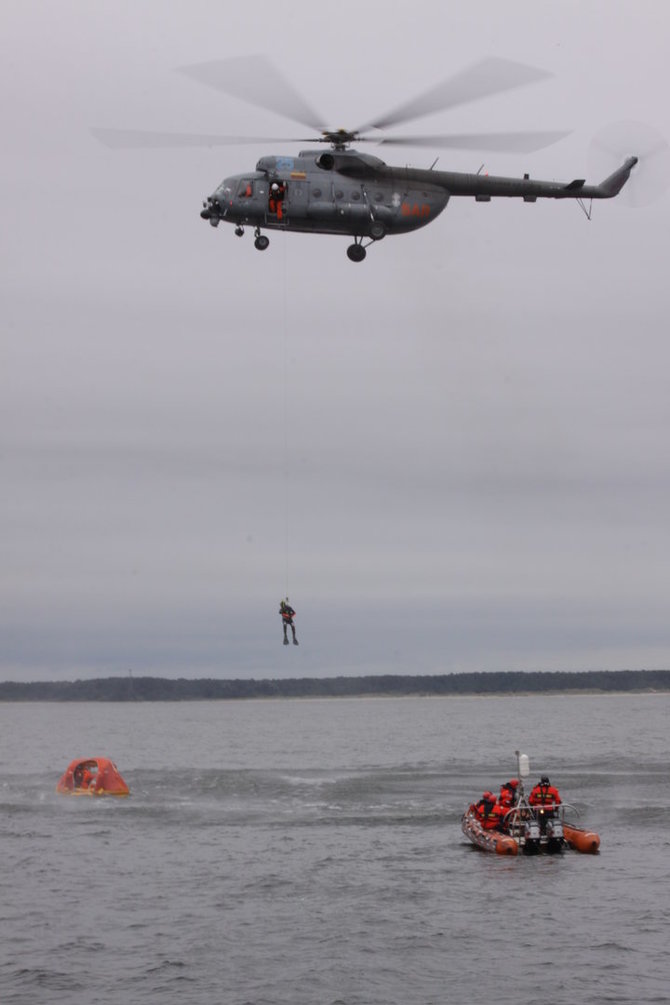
[(140, 139), (501, 142), (490, 76), (257, 81)]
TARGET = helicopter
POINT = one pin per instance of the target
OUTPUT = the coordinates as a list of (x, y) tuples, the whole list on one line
[(343, 191)]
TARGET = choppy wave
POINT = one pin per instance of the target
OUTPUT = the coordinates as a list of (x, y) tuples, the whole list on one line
[(316, 864)]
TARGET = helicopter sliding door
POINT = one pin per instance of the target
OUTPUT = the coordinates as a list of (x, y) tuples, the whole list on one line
[(291, 209)]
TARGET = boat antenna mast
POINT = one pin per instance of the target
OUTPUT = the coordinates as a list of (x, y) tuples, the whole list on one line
[(523, 771)]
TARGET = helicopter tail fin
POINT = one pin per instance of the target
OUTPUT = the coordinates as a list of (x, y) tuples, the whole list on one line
[(616, 181)]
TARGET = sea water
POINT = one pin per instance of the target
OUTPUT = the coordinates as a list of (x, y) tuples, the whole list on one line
[(309, 851)]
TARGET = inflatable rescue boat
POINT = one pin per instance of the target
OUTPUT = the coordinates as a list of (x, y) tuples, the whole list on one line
[(525, 828), (92, 776)]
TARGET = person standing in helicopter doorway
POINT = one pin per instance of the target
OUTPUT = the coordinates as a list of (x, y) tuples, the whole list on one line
[(287, 615), (277, 193)]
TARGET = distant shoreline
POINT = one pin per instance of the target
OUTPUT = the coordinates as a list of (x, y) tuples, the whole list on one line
[(498, 684)]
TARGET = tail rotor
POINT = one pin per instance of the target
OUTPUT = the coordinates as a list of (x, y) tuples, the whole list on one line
[(650, 179)]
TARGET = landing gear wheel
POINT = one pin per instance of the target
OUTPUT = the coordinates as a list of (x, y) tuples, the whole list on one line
[(261, 242), (239, 231), (356, 252)]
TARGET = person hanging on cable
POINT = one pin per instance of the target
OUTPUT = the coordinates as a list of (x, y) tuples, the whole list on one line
[(287, 616)]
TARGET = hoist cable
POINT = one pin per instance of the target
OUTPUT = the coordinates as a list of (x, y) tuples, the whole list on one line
[(285, 415)]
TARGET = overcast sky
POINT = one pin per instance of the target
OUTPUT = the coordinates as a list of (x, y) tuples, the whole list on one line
[(469, 432)]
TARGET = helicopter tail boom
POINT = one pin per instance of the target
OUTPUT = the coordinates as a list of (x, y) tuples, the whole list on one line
[(486, 187)]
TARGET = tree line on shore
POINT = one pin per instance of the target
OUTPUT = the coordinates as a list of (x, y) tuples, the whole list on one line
[(131, 688)]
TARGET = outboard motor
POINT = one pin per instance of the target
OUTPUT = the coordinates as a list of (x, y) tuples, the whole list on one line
[(554, 832), (532, 837)]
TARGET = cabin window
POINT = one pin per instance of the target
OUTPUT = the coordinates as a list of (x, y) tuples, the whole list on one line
[(339, 194), (316, 192), (379, 196), (246, 189), (356, 195)]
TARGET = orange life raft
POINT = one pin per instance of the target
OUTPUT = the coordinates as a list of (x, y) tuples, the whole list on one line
[(92, 776)]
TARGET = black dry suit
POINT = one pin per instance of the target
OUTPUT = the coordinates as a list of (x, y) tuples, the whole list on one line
[(287, 615)]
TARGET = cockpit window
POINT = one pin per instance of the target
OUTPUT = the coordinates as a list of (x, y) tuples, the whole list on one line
[(246, 189)]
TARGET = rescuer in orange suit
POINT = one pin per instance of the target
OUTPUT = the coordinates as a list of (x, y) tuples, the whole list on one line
[(489, 812), (545, 795), (507, 797), (277, 191)]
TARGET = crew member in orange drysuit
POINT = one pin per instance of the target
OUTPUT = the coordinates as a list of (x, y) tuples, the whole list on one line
[(507, 797), (489, 812), (277, 191), (545, 795)]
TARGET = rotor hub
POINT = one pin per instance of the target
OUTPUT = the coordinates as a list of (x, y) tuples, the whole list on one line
[(339, 139)]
